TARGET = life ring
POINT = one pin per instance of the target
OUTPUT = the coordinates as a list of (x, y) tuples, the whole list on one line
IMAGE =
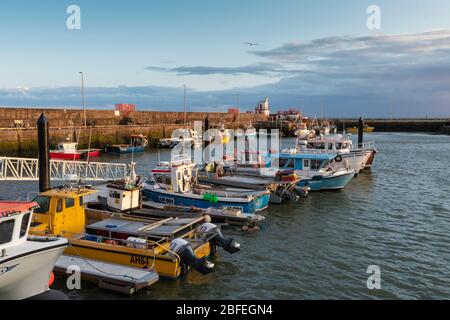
[(338, 158)]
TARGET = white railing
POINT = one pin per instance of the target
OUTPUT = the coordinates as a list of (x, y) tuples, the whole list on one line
[(24, 169), (180, 158), (367, 145)]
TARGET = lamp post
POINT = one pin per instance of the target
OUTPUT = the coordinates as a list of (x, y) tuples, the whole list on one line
[(83, 99), (184, 102)]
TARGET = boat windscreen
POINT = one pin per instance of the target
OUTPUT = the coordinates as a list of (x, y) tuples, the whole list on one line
[(44, 204)]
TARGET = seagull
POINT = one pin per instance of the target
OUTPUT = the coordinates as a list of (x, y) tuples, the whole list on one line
[(251, 44)]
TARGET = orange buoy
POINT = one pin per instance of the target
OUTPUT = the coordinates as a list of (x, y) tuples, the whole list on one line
[(51, 279)]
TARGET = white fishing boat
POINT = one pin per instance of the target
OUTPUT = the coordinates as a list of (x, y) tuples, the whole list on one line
[(185, 136), (25, 262)]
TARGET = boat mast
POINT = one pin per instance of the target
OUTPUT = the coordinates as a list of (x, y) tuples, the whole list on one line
[(83, 98)]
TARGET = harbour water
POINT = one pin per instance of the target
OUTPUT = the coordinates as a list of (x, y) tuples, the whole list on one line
[(396, 216)]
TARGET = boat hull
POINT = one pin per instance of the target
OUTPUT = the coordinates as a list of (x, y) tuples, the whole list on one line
[(28, 274), (356, 160), (117, 149), (246, 206), (167, 266), (74, 155), (370, 159), (334, 182), (65, 156)]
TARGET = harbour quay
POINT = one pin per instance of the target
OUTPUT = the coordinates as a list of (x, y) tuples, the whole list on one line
[(104, 127)]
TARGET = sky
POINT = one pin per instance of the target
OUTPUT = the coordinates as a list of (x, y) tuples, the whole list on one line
[(311, 55)]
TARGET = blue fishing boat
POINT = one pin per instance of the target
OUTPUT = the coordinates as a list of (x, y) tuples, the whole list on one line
[(176, 183), (138, 143)]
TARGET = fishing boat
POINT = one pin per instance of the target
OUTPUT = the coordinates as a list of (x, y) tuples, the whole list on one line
[(171, 246), (318, 171), (315, 170), (186, 136), (138, 142), (176, 183), (69, 151), (355, 158), (303, 132), (281, 188), (366, 129), (26, 262), (125, 196)]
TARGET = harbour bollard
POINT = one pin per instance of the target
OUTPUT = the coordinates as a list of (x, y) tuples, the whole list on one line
[(360, 132), (44, 147)]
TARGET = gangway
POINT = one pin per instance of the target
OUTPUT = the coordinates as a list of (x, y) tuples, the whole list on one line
[(24, 169)]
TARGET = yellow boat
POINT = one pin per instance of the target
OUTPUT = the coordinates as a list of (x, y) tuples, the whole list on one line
[(355, 129), (171, 246)]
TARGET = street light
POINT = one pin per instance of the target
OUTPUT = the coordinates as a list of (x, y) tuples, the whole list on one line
[(83, 99)]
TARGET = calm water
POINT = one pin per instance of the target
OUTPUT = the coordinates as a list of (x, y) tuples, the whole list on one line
[(397, 217)]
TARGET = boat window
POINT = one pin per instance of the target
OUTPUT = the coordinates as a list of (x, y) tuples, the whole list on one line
[(162, 178), (315, 164), (320, 146), (114, 194), (44, 204), (283, 162), (290, 164), (70, 202), (330, 146), (311, 145), (305, 163), (24, 226), (158, 178), (6, 231), (59, 205)]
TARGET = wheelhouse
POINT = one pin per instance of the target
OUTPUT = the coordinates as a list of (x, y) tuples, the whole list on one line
[(286, 162), (336, 143), (15, 218), (60, 211)]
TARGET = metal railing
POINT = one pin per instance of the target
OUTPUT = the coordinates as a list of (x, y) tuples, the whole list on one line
[(23, 169)]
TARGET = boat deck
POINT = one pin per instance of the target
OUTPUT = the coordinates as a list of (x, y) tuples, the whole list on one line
[(108, 276), (170, 228), (153, 209)]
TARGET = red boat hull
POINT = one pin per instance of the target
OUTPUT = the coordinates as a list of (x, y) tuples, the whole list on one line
[(74, 155)]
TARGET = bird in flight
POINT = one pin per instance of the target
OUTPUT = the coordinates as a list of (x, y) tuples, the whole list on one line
[(251, 44)]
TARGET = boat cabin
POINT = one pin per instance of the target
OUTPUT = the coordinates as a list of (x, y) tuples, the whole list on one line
[(123, 196), (306, 162), (335, 143), (138, 140), (67, 147), (15, 218), (61, 212), (177, 177)]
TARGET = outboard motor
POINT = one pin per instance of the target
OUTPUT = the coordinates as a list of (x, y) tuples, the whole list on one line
[(184, 249), (212, 232)]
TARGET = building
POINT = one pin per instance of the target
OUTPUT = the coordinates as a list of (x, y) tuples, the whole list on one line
[(263, 107)]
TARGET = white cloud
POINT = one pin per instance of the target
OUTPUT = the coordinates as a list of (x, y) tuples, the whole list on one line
[(353, 75)]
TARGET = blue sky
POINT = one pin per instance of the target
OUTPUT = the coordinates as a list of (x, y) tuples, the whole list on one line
[(310, 53)]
